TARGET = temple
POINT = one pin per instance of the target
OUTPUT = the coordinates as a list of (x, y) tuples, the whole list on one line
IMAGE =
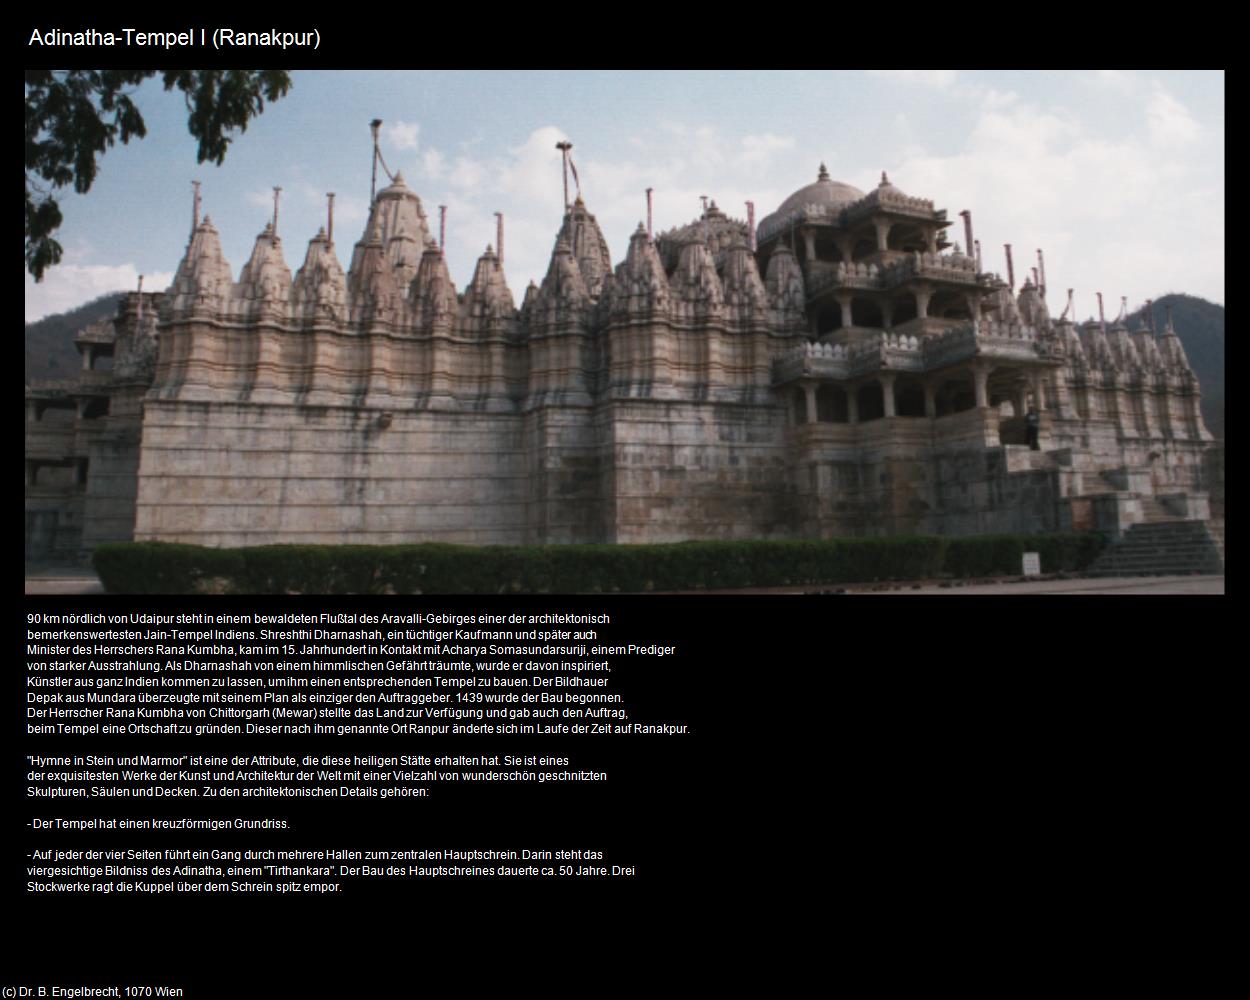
[(844, 368)]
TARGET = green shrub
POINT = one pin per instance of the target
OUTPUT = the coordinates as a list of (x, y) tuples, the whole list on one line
[(439, 568)]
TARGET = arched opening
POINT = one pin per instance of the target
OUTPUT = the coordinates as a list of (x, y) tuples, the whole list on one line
[(909, 399), (907, 237), (956, 395), (95, 408), (904, 308), (828, 318), (831, 405), (798, 405), (949, 305), (870, 401), (864, 247), (827, 250), (866, 312)]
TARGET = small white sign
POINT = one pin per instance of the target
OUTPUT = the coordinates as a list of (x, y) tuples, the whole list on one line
[(1032, 564)]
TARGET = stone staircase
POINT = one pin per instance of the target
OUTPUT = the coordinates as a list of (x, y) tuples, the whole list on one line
[(1164, 548), (1154, 512)]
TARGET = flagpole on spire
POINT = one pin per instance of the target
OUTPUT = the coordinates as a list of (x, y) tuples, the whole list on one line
[(195, 208), (373, 180), (564, 147)]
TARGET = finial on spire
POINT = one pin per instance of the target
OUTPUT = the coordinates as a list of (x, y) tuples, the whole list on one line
[(649, 213), (330, 217), (564, 146), (373, 182), (824, 173), (1011, 270), (885, 180), (1069, 308), (499, 235), (195, 207), (1102, 316)]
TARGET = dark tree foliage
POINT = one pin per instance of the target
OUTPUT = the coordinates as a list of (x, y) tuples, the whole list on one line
[(73, 116)]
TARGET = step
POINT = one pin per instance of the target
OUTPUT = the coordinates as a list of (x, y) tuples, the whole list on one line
[(1162, 548)]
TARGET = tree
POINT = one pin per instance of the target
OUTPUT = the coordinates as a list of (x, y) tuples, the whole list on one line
[(73, 116)]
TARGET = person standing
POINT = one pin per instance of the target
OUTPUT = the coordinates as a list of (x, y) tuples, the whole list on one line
[(1032, 424)]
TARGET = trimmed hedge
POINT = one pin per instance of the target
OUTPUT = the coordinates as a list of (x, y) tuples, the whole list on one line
[(437, 568)]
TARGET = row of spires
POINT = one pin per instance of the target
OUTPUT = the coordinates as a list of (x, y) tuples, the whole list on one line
[(398, 264)]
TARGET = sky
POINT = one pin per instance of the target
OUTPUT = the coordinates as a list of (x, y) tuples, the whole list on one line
[(1118, 176)]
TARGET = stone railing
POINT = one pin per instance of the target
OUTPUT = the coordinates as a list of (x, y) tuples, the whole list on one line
[(904, 352), (944, 267), (844, 275), (892, 201)]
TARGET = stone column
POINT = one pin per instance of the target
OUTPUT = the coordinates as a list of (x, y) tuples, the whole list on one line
[(887, 380), (1038, 384), (852, 404), (844, 302), (809, 243), (974, 305), (87, 357), (809, 392), (883, 233), (981, 378), (1020, 402), (933, 247), (930, 401), (922, 301)]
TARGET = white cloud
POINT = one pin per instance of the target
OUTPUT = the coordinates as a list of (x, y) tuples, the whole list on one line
[(400, 135), (760, 150), (937, 78), (1036, 176), (68, 286), (1125, 81), (1169, 120)]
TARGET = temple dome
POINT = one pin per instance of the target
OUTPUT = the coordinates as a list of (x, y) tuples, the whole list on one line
[(831, 193), (825, 195)]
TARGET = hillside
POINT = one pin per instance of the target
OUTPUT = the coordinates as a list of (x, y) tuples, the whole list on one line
[(50, 351), (1200, 326)]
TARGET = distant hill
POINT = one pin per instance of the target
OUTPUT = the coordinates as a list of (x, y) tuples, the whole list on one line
[(1200, 326), (50, 351)]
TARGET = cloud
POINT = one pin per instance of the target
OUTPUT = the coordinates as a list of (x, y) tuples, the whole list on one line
[(68, 286), (1169, 120), (937, 78), (1122, 80), (401, 135), (1038, 176)]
